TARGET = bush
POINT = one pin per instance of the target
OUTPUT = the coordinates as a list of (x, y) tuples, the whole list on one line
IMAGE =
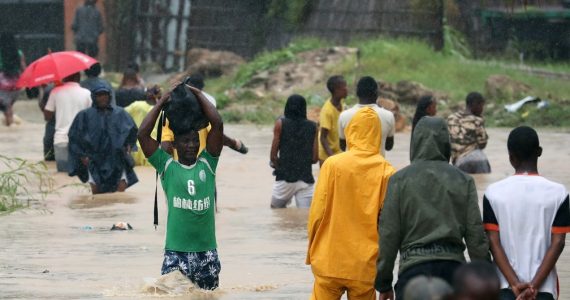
[(17, 181)]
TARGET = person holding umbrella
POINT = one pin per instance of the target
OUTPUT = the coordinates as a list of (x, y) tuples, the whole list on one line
[(67, 100)]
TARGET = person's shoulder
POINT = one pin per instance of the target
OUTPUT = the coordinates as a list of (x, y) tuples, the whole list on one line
[(327, 105), (348, 113), (454, 116), (84, 112), (334, 161), (382, 110), (472, 118), (78, 88), (58, 88), (497, 187), (102, 81), (204, 159), (402, 173), (553, 185), (139, 104), (385, 114), (458, 174), (120, 110)]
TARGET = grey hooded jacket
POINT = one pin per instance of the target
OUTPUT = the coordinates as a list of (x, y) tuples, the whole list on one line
[(430, 208)]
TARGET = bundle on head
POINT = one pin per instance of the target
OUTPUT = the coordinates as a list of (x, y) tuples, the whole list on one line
[(184, 112)]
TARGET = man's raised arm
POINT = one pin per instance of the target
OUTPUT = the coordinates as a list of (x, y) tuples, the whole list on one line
[(215, 141)]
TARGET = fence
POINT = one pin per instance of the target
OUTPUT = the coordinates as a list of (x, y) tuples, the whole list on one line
[(161, 32), (164, 30), (345, 20)]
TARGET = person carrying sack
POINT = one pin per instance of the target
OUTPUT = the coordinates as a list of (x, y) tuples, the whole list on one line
[(189, 183)]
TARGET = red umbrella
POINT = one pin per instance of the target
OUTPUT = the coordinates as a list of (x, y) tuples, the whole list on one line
[(54, 66)]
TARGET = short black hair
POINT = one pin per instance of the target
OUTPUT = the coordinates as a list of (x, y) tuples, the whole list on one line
[(75, 77), (474, 98), (195, 80), (183, 131), (334, 82), (94, 70), (367, 87), (523, 143), (479, 269)]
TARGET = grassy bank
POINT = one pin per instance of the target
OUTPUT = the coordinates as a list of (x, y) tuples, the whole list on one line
[(393, 60)]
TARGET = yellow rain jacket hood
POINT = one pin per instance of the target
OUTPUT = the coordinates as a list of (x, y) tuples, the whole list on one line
[(343, 220)]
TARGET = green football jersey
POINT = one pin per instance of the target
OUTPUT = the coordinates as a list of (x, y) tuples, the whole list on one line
[(190, 196)]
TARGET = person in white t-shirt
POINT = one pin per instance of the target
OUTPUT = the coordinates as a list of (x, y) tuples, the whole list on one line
[(367, 92), (64, 103), (526, 218)]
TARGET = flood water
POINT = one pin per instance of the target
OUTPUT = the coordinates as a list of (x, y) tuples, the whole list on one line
[(63, 248)]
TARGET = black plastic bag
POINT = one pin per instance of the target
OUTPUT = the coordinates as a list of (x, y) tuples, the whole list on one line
[(184, 112)]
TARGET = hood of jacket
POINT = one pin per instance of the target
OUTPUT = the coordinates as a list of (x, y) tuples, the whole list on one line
[(364, 131), (430, 140), (98, 88)]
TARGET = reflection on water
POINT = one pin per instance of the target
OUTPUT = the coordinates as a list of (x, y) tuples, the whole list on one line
[(262, 251)]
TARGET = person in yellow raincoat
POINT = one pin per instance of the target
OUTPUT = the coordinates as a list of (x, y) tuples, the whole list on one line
[(343, 220)]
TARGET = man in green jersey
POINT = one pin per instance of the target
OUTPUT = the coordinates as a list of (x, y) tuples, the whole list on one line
[(189, 185)]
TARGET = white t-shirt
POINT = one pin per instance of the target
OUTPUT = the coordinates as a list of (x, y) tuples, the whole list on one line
[(67, 101), (525, 210), (386, 120)]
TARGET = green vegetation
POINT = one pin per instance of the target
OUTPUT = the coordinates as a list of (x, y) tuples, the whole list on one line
[(402, 59), (17, 180), (392, 60)]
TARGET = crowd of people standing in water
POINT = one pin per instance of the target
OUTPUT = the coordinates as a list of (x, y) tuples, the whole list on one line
[(363, 212)]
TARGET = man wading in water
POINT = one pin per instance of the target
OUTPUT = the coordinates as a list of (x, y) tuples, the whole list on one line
[(329, 142), (468, 136), (189, 185)]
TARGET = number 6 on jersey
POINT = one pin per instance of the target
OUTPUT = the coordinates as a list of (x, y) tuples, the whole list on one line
[(191, 188)]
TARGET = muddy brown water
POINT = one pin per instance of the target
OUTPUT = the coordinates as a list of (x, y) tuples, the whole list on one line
[(63, 248)]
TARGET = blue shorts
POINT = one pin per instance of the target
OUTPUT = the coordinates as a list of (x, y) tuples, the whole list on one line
[(202, 268)]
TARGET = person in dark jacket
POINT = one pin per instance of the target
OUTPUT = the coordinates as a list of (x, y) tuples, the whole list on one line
[(431, 207), (293, 151), (87, 26), (130, 90), (100, 141), (93, 80)]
